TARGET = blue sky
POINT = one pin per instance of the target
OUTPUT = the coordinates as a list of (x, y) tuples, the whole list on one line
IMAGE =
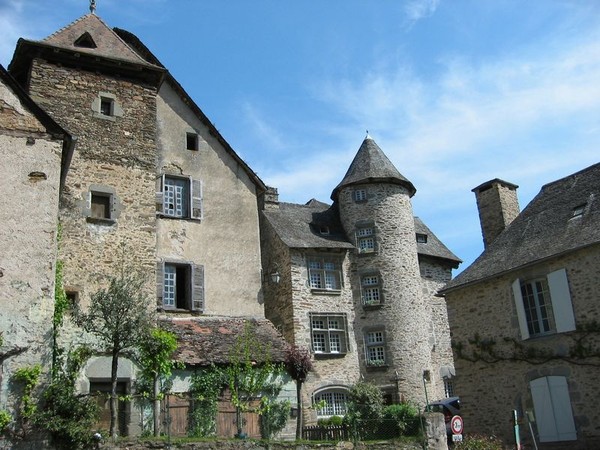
[(455, 92)]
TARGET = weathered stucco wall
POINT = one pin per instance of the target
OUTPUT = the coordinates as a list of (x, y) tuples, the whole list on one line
[(490, 391), (226, 240), (29, 183)]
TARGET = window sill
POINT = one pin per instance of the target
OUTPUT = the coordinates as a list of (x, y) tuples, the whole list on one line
[(100, 221), (178, 311), (378, 367), (165, 216), (326, 291), (370, 253), (372, 306), (328, 355)]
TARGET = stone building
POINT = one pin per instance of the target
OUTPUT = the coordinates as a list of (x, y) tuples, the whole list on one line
[(152, 187), (35, 151), (355, 283), (524, 316)]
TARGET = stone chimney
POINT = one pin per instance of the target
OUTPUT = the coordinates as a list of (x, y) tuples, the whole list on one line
[(270, 199), (498, 206)]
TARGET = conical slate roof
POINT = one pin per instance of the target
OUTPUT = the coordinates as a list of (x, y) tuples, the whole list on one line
[(371, 165)]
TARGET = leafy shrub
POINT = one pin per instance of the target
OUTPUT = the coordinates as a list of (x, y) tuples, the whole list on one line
[(5, 419), (478, 442), (274, 417), (331, 421), (401, 420), (365, 410)]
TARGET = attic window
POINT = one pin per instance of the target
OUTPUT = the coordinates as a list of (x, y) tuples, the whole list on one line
[(85, 41), (106, 106), (323, 229), (578, 210), (421, 238), (191, 141)]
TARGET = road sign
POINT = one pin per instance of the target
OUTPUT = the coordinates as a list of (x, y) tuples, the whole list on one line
[(456, 425)]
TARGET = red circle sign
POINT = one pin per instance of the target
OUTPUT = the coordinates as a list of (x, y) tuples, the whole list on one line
[(456, 425)]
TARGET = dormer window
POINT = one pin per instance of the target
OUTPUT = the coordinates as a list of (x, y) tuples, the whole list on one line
[(578, 210), (323, 229), (421, 238), (85, 41)]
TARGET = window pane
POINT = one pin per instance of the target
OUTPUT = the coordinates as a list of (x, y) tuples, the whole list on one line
[(170, 287), (319, 342), (175, 197)]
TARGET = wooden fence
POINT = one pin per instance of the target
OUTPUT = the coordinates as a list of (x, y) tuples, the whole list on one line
[(325, 433)]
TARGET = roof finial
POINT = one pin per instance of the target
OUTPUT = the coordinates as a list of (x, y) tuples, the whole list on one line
[(93, 6), (368, 135)]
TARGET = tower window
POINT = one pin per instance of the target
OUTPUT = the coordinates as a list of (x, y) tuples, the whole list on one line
[(421, 238)]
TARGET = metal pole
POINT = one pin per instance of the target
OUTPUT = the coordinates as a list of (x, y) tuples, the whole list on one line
[(516, 430)]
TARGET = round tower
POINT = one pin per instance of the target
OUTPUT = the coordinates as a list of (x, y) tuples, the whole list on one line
[(392, 323)]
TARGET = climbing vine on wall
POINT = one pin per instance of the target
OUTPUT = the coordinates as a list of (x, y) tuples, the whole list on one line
[(206, 387), (583, 348)]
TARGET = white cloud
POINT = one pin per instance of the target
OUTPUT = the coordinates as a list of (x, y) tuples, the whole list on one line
[(416, 10)]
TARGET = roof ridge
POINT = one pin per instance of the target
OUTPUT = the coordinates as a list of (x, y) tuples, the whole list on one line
[(60, 30)]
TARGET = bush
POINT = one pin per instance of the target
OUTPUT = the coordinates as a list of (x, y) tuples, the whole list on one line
[(478, 442), (5, 419), (331, 421), (401, 420), (365, 410), (274, 418)]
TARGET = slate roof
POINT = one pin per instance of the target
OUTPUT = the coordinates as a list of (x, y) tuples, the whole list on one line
[(298, 226), (546, 228), (434, 247), (372, 165), (205, 340)]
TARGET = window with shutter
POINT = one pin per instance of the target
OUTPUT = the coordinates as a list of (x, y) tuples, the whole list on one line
[(101, 205), (544, 305), (179, 197), (180, 286)]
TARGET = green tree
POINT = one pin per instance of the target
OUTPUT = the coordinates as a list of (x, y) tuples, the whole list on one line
[(249, 373), (298, 364), (156, 362), (118, 317)]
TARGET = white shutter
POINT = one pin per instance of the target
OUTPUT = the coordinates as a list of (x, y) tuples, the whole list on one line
[(563, 413), (516, 287), (553, 413), (160, 280), (561, 301), (87, 210), (198, 288), (159, 196), (196, 211)]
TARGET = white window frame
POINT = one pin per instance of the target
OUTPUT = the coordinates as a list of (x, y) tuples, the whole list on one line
[(336, 402), (325, 273), (365, 239), (370, 289), (375, 354), (329, 333), (167, 279), (553, 410), (560, 303), (189, 202)]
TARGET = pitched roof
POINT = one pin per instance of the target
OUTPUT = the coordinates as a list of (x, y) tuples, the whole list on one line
[(48, 122), (371, 165), (144, 52), (90, 44), (433, 247), (299, 226), (546, 228), (202, 341)]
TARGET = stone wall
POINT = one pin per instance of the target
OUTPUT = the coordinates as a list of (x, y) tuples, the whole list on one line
[(489, 392), (403, 313)]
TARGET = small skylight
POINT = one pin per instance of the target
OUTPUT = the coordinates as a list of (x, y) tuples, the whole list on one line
[(578, 210)]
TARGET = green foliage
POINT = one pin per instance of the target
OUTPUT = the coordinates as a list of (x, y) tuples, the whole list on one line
[(29, 377), (331, 421), (274, 417), (477, 442), (365, 410), (67, 416), (156, 353), (206, 387), (5, 419), (61, 305), (401, 420)]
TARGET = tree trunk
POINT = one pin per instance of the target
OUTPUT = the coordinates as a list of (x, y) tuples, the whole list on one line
[(299, 417), (156, 406), (114, 406)]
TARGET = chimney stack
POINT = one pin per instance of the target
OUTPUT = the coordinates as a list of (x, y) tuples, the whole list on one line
[(498, 206), (270, 199)]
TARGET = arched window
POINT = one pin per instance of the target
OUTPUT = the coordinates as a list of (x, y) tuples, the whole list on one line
[(336, 400)]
